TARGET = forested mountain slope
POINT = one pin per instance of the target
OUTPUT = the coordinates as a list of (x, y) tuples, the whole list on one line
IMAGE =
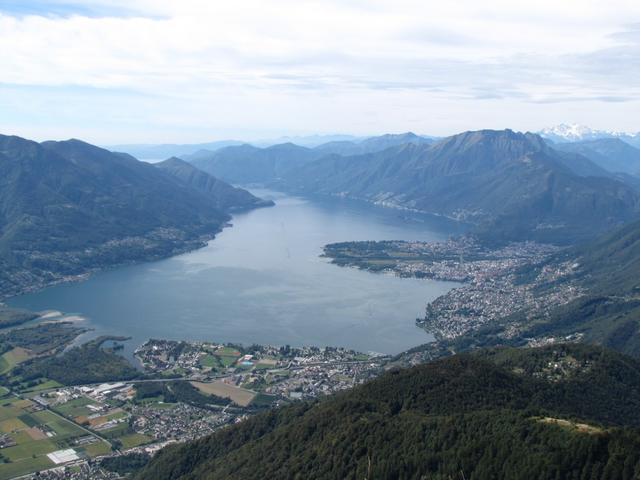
[(69, 207), (226, 197), (566, 411)]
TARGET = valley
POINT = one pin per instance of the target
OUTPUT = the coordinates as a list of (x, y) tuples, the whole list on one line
[(302, 240), (262, 319)]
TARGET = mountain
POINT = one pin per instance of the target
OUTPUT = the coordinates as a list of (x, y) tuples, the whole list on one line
[(373, 144), (251, 164), (579, 133), (166, 150), (565, 411), (513, 186), (309, 141), (67, 208), (224, 196), (248, 164), (612, 154), (155, 152)]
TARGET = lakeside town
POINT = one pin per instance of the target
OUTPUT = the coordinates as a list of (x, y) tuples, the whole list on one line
[(491, 285), (185, 391)]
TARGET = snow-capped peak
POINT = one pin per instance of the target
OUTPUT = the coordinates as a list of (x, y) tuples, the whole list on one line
[(576, 133)]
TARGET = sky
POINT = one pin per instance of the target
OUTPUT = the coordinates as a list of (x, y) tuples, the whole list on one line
[(166, 71)]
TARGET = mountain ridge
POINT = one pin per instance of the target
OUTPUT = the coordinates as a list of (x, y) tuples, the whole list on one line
[(226, 197), (485, 177)]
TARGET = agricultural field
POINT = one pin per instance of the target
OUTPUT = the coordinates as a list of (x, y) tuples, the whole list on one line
[(227, 355), (30, 433), (238, 395), (110, 423), (266, 363), (13, 357), (210, 361), (78, 409), (134, 440)]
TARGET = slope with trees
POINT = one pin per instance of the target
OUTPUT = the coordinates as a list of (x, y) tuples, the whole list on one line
[(543, 413)]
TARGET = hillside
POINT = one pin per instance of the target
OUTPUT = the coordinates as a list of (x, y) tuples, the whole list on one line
[(67, 208), (555, 412), (612, 154), (225, 197), (512, 185), (606, 270), (609, 268)]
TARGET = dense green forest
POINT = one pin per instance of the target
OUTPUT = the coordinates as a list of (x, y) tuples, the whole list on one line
[(566, 412), (10, 317), (40, 339), (88, 363)]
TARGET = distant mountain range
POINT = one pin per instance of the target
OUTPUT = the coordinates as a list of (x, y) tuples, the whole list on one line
[(69, 207), (564, 411), (612, 154), (559, 134), (250, 164), (162, 151), (513, 186), (579, 133)]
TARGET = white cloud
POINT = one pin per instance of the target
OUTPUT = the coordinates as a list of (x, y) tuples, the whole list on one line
[(245, 67)]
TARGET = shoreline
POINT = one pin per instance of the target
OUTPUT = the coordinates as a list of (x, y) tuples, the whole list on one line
[(189, 246)]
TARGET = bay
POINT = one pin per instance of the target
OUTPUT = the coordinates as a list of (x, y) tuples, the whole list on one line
[(263, 280)]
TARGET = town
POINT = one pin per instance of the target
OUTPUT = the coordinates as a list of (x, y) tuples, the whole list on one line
[(186, 390), (491, 285)]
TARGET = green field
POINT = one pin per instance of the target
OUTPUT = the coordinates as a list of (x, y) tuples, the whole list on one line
[(96, 449), (12, 358), (76, 407), (228, 351), (11, 470), (210, 360), (45, 384), (36, 434), (118, 431), (134, 440)]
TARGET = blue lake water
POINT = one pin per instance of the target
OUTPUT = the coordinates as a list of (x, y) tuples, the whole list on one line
[(263, 280)]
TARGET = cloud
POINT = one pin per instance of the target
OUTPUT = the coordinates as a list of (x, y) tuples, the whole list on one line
[(206, 63)]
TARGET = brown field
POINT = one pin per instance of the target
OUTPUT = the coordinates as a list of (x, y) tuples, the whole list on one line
[(36, 433), (94, 422), (268, 361), (238, 395)]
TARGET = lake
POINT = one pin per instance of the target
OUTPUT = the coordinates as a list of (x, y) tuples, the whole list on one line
[(263, 280)]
